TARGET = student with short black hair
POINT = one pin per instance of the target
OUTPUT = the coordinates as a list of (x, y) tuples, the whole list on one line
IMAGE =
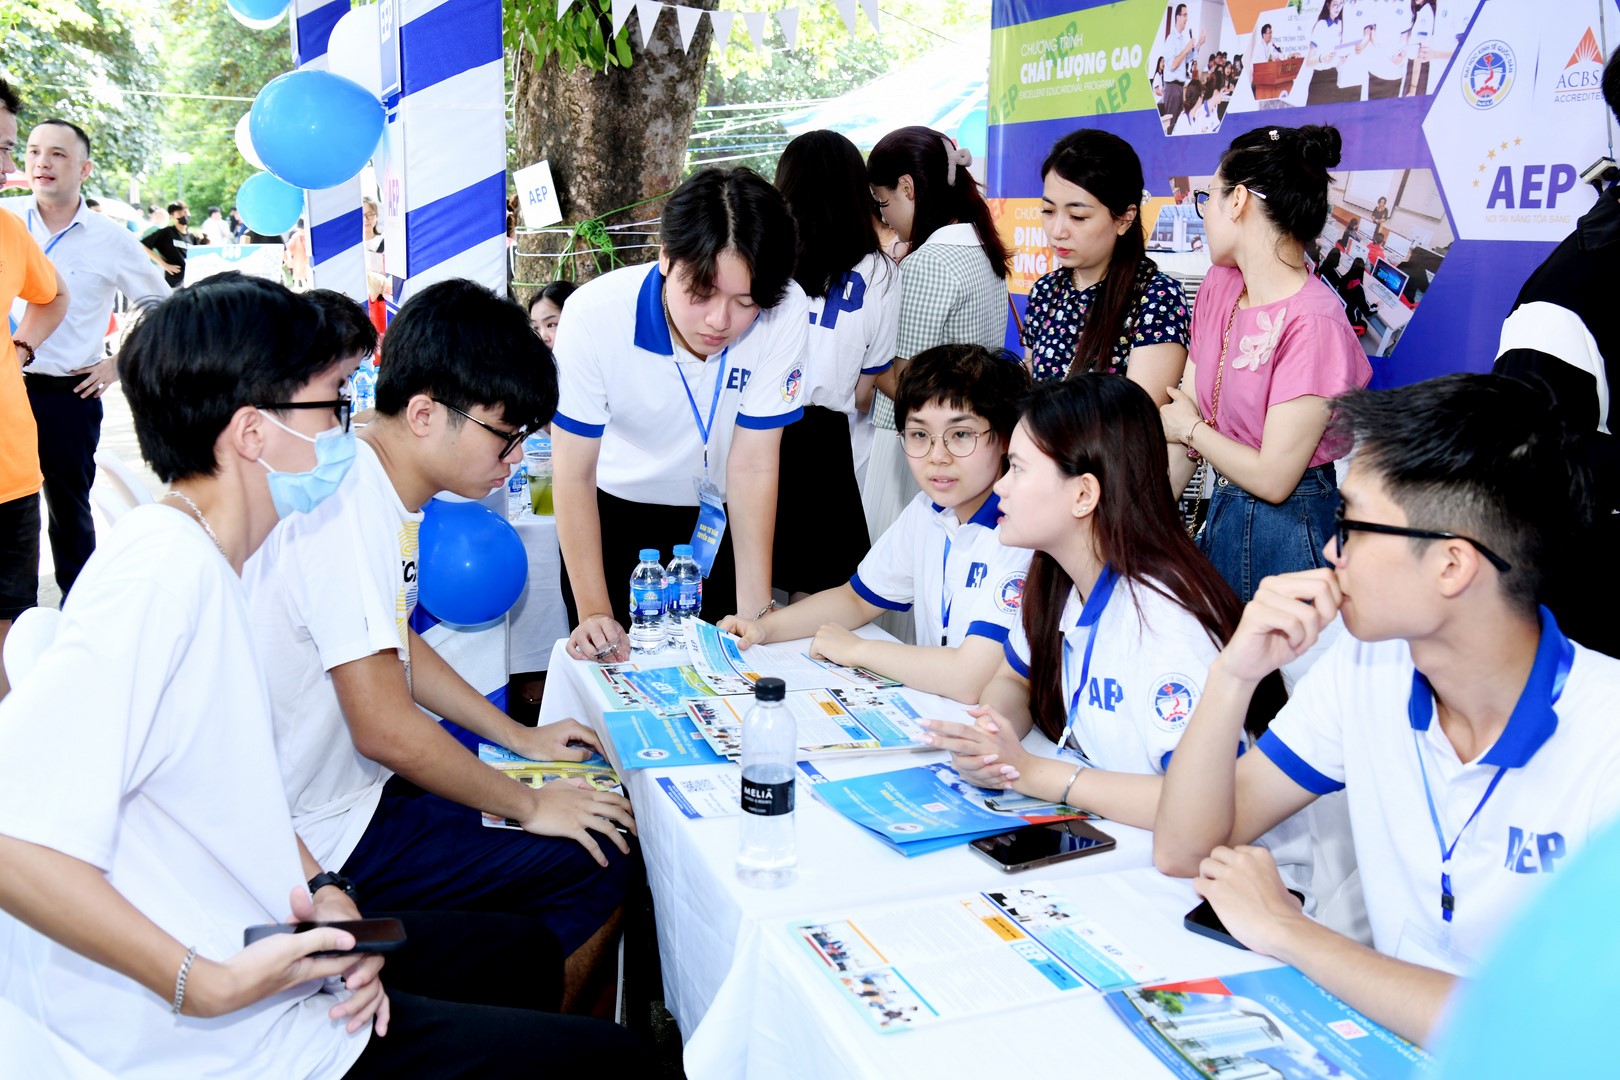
[(380, 792), (942, 559), (357, 338), (1473, 739), (677, 380), (1270, 348), (854, 292)]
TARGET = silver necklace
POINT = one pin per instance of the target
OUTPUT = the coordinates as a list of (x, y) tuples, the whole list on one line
[(207, 528)]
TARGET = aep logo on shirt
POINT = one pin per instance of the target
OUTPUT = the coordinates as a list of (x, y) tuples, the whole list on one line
[(1533, 853), (738, 379), (976, 574), (1104, 694)]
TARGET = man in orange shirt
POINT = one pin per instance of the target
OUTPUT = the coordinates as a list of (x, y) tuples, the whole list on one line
[(24, 272)]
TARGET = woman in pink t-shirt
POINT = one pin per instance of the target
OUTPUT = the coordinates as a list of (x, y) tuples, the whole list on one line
[(1270, 348)]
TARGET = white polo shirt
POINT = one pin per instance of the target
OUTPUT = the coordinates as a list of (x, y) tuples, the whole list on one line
[(1361, 719), (141, 744), (1174, 43), (852, 332), (962, 580), (1148, 661), (98, 258), (621, 375), (329, 587)]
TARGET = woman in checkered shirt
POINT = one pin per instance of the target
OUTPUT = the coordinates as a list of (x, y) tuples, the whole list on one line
[(953, 285)]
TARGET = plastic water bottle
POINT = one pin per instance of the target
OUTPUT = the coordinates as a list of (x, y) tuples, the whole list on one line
[(685, 591), (363, 393), (768, 856), (647, 585), (517, 493)]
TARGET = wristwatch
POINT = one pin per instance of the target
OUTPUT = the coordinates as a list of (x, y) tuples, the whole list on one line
[(327, 877)]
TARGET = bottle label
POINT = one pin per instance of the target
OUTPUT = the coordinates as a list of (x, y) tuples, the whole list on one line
[(646, 602), (767, 800), (688, 597)]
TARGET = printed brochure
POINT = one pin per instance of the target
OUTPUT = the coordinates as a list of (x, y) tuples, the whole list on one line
[(645, 740), (922, 809), (596, 772), (1272, 1023), (909, 965), (834, 721)]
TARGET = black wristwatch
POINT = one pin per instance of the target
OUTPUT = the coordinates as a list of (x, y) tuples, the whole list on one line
[(327, 877)]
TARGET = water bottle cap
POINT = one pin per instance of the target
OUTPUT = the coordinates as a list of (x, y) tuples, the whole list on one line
[(770, 688), (683, 551), (649, 554)]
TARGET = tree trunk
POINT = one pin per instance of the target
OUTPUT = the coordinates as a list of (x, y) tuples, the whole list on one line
[(613, 138)]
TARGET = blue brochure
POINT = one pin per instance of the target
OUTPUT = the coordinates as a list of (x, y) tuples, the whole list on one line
[(913, 810), (644, 740)]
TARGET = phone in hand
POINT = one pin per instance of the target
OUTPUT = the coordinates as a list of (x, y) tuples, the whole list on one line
[(1203, 920), (1042, 845), (370, 935)]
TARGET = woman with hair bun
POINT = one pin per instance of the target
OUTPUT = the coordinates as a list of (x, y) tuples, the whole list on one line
[(1107, 307), (1271, 347), (953, 284)]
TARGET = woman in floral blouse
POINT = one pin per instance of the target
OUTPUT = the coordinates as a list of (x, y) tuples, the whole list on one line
[(1271, 347), (1107, 307)]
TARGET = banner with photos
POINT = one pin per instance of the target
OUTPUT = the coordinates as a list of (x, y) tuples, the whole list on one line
[(1466, 128)]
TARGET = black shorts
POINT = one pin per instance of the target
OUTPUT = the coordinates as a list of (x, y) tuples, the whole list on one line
[(820, 523), (19, 556)]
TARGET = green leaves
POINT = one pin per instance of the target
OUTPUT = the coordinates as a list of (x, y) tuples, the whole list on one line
[(579, 38)]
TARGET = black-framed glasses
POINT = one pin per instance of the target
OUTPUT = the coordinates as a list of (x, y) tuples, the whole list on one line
[(509, 440), (1343, 527), (959, 442), (1201, 196), (342, 407)]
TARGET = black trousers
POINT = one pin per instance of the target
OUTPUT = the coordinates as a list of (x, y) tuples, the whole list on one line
[(465, 996), (69, 428), (820, 524), (627, 527)]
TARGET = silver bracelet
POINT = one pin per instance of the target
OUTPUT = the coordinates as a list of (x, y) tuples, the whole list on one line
[(766, 610), (180, 979), (1072, 778)]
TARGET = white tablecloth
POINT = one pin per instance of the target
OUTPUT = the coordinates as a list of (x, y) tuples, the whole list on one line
[(750, 1004), (538, 619)]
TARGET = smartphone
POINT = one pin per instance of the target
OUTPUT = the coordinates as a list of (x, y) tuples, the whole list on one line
[(1042, 845), (1203, 920), (370, 935)]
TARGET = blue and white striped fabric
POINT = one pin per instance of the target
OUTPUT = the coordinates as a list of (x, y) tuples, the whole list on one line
[(452, 115), (336, 249)]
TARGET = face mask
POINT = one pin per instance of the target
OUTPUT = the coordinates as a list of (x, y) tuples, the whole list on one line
[(184, 219), (301, 492)]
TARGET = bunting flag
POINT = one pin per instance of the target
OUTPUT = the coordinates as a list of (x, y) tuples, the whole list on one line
[(871, 9), (647, 12), (621, 12), (755, 21), (720, 23), (789, 19), (846, 10), (562, 8), (688, 18)]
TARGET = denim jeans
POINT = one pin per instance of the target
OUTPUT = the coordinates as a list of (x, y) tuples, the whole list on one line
[(1248, 538)]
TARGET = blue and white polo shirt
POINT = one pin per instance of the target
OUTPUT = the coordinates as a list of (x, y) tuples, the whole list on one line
[(619, 373), (956, 577)]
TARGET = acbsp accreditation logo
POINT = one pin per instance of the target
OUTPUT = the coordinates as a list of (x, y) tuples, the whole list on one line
[(1488, 74)]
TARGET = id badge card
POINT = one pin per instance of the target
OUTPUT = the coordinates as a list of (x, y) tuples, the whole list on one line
[(1421, 945), (711, 526)]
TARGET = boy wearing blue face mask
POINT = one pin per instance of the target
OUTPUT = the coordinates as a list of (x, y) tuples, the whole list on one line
[(463, 379), (130, 866)]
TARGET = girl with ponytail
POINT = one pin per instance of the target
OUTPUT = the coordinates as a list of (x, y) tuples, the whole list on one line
[(953, 285), (1106, 307)]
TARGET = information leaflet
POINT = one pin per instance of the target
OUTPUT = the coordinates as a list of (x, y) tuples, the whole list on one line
[(595, 772), (835, 721)]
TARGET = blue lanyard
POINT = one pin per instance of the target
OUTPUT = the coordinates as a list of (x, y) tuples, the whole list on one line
[(57, 239), (705, 430), (945, 597), (1091, 611), (1448, 898)]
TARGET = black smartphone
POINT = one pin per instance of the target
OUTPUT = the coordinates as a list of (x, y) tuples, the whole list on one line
[(370, 935), (1203, 920), (1041, 845)]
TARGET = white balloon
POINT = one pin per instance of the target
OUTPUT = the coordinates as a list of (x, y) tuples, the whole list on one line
[(354, 50), (244, 142), (255, 24)]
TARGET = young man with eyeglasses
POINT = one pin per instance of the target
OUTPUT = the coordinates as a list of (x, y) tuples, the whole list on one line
[(1473, 739), (942, 559), (379, 791)]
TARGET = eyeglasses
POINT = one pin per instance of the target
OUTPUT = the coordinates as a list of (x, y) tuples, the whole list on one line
[(509, 440), (1343, 527), (343, 407), (959, 442), (1201, 196)]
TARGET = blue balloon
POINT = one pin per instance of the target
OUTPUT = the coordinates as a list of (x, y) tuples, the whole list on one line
[(268, 205), (315, 129), (974, 133), (472, 566), (1539, 1005), (258, 10)]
